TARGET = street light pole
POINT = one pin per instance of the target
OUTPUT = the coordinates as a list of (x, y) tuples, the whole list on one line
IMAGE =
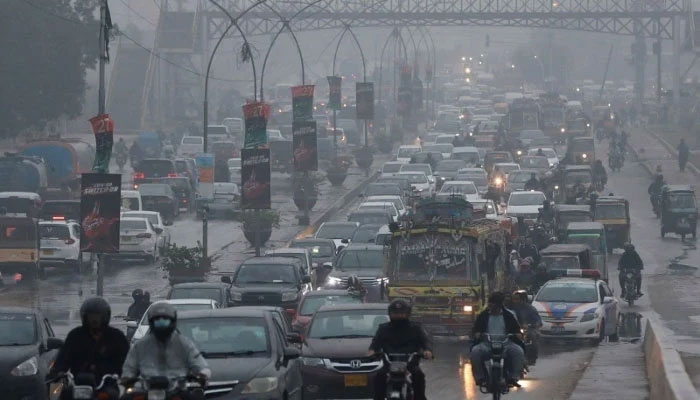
[(100, 111)]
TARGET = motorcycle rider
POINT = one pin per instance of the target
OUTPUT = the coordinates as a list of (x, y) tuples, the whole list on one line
[(683, 153), (655, 189), (496, 320), (401, 336), (164, 352), (540, 153), (600, 176), (546, 213), (93, 347), (528, 249), (532, 183), (529, 318), (135, 154), (630, 260), (138, 307)]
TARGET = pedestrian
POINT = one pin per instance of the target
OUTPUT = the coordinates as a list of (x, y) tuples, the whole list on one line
[(683, 153)]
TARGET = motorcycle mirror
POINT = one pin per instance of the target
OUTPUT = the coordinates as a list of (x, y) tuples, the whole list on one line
[(607, 299), (132, 324)]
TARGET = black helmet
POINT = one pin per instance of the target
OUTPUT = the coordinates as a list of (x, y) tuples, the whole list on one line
[(96, 305), (399, 306), (162, 320), (659, 177), (628, 246), (136, 294)]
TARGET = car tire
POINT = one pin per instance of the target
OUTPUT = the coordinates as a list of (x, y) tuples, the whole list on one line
[(601, 337)]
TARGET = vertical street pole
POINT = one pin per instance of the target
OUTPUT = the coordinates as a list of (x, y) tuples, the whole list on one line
[(101, 110), (676, 69), (658, 69)]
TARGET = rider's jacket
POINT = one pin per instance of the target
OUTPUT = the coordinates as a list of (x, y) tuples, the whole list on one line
[(175, 358), (83, 353), (630, 260), (400, 337)]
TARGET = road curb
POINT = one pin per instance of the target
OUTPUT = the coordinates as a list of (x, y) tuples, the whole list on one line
[(668, 379)]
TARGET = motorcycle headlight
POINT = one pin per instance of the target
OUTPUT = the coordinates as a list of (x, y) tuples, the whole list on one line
[(333, 281), (584, 155), (589, 317), (260, 385), (556, 187), (236, 296), (289, 296), (563, 130), (498, 181), (313, 361), (27, 368), (520, 152)]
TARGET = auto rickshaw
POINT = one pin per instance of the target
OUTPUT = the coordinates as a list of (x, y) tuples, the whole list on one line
[(593, 235), (19, 247), (614, 213), (560, 257), (575, 182), (567, 213), (581, 150), (679, 211)]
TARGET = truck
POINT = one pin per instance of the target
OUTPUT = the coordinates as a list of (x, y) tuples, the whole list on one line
[(23, 174), (444, 259), (66, 160), (553, 109), (523, 113)]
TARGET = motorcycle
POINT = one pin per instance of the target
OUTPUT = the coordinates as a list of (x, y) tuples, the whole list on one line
[(84, 386), (163, 388), (496, 382), (399, 385), (656, 204), (615, 162), (630, 286), (121, 160), (531, 335)]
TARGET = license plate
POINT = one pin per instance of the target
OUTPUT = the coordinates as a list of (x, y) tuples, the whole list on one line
[(156, 394), (351, 380), (47, 252), (82, 392), (126, 238), (557, 328)]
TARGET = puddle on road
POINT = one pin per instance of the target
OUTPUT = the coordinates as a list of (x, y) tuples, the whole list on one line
[(676, 268), (630, 326)]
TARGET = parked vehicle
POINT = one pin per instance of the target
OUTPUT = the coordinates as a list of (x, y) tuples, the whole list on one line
[(138, 239)]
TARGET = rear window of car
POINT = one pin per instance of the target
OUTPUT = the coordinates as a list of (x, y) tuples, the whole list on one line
[(313, 303), (17, 329), (196, 293), (132, 225), (154, 190), (156, 168), (54, 232)]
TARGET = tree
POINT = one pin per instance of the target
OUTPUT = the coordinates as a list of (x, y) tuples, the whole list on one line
[(47, 47)]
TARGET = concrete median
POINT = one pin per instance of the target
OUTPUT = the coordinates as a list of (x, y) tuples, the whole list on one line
[(668, 379)]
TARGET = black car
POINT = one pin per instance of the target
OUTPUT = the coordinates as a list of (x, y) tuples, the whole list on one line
[(160, 197), (269, 281), (248, 353), (366, 233), (202, 290), (366, 261), (184, 193), (152, 169), (29, 348), (60, 210), (323, 252)]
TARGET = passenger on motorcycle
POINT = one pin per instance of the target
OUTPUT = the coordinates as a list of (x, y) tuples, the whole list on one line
[(164, 352), (496, 320), (532, 183), (530, 321), (94, 347), (600, 176), (630, 260), (400, 335)]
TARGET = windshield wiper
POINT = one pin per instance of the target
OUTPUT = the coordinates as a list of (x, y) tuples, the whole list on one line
[(343, 336), (225, 354)]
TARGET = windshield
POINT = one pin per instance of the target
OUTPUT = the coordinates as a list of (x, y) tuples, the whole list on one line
[(416, 178), (405, 152), (183, 307), (196, 293), (681, 201), (154, 190), (453, 165), (578, 176), (227, 335), (526, 199), (568, 293), (313, 303), (428, 257), (550, 262), (152, 218), (54, 232), (519, 177), (69, 210), (17, 329), (552, 116), (130, 203), (156, 168), (461, 188), (534, 162), (376, 189), (610, 211), (347, 323), (361, 258), (266, 274), (132, 225), (468, 157), (547, 152), (316, 249), (370, 217), (391, 168), (482, 204), (336, 231), (424, 168), (593, 241), (581, 145)]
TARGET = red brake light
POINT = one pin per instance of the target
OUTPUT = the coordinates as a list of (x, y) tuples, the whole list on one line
[(171, 175), (70, 241), (139, 175), (143, 235), (58, 218)]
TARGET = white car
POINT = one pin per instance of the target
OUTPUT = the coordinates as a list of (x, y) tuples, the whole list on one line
[(137, 239), (391, 167), (234, 170), (397, 200), (468, 154), (340, 232), (179, 304), (419, 167), (549, 152), (156, 220), (59, 242), (488, 206), (465, 188), (445, 148), (476, 175), (380, 206), (405, 152), (577, 308), (131, 200), (419, 183), (526, 204), (191, 146)]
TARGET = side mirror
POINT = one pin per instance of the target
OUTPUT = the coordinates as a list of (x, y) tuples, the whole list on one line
[(132, 324), (159, 230), (306, 279), (530, 298), (294, 337), (226, 279), (53, 344), (291, 353), (607, 300), (346, 241)]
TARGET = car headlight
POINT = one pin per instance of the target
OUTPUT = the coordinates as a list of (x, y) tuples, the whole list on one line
[(520, 152), (333, 281), (563, 130), (556, 187), (260, 385), (289, 296), (313, 361), (584, 155), (236, 296), (26, 368), (589, 317), (382, 280)]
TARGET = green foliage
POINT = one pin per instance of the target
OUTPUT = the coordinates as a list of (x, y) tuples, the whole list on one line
[(262, 219), (182, 257), (46, 47)]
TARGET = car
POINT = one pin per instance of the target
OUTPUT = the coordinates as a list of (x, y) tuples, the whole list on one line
[(382, 189), (154, 168), (156, 221), (366, 233), (488, 206), (235, 127), (225, 202), (161, 198), (300, 254), (405, 151), (541, 142), (217, 133), (60, 245), (426, 157), (549, 152), (184, 192), (525, 204), (420, 184), (60, 210), (397, 200), (540, 164), (217, 291), (247, 352), (137, 239), (29, 349), (445, 148), (362, 217), (445, 139), (191, 146), (476, 175), (468, 154), (181, 305), (187, 168), (367, 262), (234, 169), (398, 180), (131, 200), (577, 308), (391, 167), (447, 170), (419, 167), (340, 232), (334, 353), (506, 168), (312, 301), (380, 206), (322, 252), (515, 181), (465, 188), (269, 281)]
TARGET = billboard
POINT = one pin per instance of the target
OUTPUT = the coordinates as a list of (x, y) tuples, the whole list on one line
[(255, 116), (305, 146), (334, 86), (100, 201), (302, 102), (103, 128), (255, 179), (205, 172), (364, 92)]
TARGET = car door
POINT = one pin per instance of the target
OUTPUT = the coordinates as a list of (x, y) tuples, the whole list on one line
[(291, 369), (609, 309), (283, 321)]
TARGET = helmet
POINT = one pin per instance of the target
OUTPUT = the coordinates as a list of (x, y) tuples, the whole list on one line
[(660, 177), (96, 305), (628, 246), (136, 294), (522, 294), (399, 306), (162, 319)]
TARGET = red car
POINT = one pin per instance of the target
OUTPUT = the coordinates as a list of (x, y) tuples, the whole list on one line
[(314, 300)]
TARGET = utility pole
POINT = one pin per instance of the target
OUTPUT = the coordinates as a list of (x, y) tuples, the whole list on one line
[(103, 56)]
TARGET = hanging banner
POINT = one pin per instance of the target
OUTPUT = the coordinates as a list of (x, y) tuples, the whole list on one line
[(334, 85), (103, 128), (364, 100), (256, 116), (302, 102), (205, 172), (100, 198), (255, 179), (305, 146)]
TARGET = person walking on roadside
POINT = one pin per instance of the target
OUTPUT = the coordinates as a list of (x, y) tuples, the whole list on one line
[(683, 153)]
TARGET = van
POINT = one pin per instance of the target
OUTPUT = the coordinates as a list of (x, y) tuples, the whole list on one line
[(131, 201), (191, 145)]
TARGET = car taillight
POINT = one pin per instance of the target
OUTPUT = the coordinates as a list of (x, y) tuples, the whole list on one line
[(70, 241), (58, 218), (139, 175), (171, 175), (143, 235)]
